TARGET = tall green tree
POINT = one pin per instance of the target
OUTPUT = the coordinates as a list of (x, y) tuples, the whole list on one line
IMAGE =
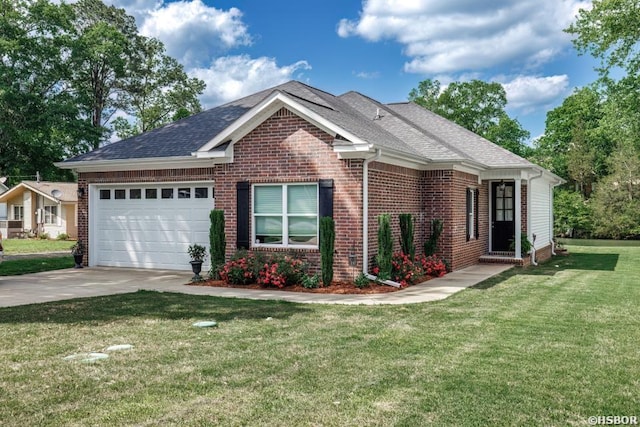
[(609, 31), (476, 105), (575, 145), (616, 201), (101, 59), (40, 121), (156, 90)]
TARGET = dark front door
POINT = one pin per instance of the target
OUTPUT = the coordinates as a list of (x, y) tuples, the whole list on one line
[(503, 222)]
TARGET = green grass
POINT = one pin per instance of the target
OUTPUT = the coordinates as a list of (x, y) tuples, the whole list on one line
[(25, 246), (35, 265), (549, 346)]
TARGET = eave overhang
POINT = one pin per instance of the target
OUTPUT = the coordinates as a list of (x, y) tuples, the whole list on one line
[(140, 164)]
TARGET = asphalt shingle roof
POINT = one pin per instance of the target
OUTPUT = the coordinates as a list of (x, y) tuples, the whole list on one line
[(403, 127)]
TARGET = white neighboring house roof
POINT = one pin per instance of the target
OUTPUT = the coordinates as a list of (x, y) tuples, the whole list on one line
[(68, 190)]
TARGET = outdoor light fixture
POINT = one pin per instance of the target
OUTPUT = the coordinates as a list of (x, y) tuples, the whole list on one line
[(353, 259), (80, 192), (502, 185)]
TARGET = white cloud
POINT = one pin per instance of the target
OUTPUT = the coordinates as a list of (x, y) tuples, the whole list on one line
[(367, 74), (193, 32), (444, 36), (527, 93), (200, 37), (232, 77)]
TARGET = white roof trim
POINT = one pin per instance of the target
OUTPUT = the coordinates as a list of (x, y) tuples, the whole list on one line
[(254, 117), (140, 164), (22, 185)]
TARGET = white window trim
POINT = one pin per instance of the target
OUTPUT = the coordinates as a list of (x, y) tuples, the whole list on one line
[(13, 212), (50, 218), (472, 213), (285, 217)]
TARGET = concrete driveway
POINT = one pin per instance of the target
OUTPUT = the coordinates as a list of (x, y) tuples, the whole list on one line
[(98, 281), (85, 282)]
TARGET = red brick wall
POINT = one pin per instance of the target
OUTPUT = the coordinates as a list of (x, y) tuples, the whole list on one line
[(445, 199), (285, 148), (395, 190)]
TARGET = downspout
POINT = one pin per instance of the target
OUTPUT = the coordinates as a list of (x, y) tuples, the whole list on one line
[(529, 213), (365, 209), (551, 215)]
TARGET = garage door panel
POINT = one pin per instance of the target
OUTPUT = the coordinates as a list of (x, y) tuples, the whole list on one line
[(150, 233)]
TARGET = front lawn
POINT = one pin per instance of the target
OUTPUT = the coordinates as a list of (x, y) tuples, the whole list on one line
[(549, 346), (35, 265), (30, 246)]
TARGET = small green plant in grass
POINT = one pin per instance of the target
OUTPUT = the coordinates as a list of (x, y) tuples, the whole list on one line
[(310, 282), (43, 236), (62, 236), (361, 281)]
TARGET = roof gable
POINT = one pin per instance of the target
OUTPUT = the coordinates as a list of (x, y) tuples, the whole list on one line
[(45, 188)]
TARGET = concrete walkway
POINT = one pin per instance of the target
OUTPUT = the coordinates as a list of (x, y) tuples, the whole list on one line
[(97, 281)]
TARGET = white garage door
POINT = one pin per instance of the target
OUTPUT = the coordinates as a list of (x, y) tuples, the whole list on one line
[(149, 226)]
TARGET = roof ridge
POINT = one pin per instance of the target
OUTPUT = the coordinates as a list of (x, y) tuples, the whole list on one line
[(427, 132)]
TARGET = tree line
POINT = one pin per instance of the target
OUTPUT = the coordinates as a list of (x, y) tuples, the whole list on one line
[(72, 75), (592, 140)]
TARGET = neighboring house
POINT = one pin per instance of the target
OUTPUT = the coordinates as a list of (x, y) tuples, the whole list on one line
[(280, 159), (35, 207), (3, 206)]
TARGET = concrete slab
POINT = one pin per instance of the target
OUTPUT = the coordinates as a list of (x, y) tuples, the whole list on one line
[(100, 281)]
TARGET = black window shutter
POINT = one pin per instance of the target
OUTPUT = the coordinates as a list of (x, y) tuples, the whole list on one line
[(325, 195), (242, 212), (468, 214), (477, 215)]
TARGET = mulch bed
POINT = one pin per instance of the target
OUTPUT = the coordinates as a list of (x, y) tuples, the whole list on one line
[(335, 288)]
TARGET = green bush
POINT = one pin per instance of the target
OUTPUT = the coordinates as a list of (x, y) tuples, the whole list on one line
[(361, 281), (327, 248), (525, 244), (197, 252), (385, 246), (406, 235), (431, 245), (62, 236), (281, 271), (242, 269), (310, 282), (43, 236), (217, 241)]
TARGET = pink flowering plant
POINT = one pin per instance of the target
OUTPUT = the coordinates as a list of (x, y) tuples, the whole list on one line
[(404, 270), (408, 272), (433, 266), (240, 270), (281, 271)]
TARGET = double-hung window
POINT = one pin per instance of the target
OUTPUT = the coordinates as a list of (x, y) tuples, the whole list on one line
[(285, 215), (18, 212), (50, 214)]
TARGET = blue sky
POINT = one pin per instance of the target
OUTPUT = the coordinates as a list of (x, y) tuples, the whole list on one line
[(381, 48)]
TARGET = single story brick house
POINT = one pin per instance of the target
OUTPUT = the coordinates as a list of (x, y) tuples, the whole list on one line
[(278, 160)]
